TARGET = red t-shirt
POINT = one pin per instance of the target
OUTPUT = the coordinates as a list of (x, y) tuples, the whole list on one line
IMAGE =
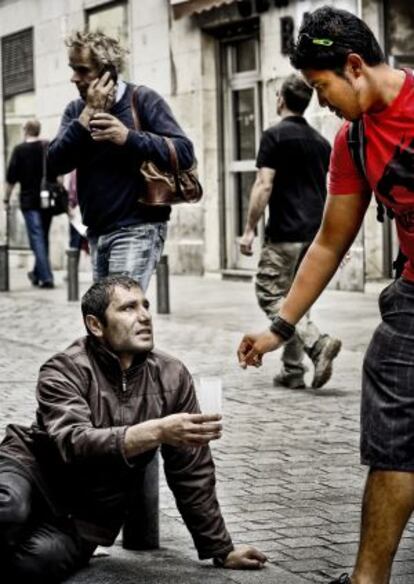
[(389, 165)]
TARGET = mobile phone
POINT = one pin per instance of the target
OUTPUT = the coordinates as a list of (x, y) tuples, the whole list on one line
[(113, 74)]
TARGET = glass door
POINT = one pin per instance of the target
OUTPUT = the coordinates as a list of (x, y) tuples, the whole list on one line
[(241, 127)]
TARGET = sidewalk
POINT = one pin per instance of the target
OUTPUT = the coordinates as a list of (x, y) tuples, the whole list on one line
[(289, 479)]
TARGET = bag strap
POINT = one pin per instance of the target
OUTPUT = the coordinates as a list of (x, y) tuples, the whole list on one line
[(173, 156), (134, 109), (44, 165), (175, 167), (357, 143)]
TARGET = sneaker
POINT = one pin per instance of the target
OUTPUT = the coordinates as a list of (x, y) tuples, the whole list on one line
[(322, 355), (46, 284), (32, 278), (289, 381), (344, 579)]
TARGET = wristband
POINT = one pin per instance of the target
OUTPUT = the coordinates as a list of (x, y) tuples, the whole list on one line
[(283, 328)]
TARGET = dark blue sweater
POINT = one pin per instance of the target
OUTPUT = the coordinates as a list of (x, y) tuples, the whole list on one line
[(108, 177)]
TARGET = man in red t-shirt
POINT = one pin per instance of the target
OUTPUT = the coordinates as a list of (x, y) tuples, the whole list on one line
[(340, 57)]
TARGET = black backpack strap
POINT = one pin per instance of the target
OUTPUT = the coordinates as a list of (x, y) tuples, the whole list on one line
[(356, 144), (399, 263), (357, 147)]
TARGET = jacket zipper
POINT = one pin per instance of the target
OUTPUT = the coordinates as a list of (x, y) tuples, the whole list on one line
[(124, 383)]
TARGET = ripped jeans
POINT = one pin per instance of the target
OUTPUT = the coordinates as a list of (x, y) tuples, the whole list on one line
[(133, 251)]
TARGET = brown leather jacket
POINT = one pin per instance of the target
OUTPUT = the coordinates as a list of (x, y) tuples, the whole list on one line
[(75, 450)]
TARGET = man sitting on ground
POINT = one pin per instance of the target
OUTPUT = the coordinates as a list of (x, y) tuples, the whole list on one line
[(105, 404)]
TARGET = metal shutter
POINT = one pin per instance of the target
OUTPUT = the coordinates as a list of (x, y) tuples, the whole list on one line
[(17, 63)]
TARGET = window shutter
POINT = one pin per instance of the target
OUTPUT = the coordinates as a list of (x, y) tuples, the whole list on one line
[(17, 63)]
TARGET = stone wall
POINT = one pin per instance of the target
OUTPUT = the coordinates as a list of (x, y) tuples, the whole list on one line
[(179, 60)]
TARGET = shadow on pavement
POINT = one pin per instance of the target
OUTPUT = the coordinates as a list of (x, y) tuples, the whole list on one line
[(168, 567), (155, 567)]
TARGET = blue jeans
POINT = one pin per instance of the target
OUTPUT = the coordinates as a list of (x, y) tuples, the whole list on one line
[(37, 225), (133, 251)]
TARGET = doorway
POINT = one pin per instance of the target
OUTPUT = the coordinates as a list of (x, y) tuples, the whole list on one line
[(241, 94)]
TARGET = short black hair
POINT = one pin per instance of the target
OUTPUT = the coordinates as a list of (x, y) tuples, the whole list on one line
[(96, 300), (328, 35), (296, 94)]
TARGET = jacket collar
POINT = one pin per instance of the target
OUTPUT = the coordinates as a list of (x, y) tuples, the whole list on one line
[(110, 362)]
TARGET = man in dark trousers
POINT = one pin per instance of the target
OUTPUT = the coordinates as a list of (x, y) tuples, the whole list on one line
[(340, 57), (26, 168), (105, 405), (98, 137), (292, 164)]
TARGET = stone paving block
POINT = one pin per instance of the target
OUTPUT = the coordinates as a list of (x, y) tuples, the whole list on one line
[(258, 535), (408, 543), (302, 567), (273, 556), (269, 575), (300, 531), (306, 521), (303, 542), (403, 567), (402, 579), (305, 553), (344, 548), (337, 538)]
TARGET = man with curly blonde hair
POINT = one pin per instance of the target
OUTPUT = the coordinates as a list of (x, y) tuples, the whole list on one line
[(98, 137)]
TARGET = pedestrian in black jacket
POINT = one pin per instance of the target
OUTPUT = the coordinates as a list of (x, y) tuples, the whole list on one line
[(26, 167)]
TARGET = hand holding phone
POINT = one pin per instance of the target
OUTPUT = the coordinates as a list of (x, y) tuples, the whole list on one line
[(101, 92), (113, 73)]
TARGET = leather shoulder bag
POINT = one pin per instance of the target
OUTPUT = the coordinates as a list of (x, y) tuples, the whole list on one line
[(164, 187)]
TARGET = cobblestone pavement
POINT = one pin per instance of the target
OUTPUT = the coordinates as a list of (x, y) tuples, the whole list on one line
[(289, 478)]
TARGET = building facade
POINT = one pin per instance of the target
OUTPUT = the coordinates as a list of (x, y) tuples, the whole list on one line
[(219, 64)]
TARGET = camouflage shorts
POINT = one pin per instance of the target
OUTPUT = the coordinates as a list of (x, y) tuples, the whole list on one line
[(276, 270)]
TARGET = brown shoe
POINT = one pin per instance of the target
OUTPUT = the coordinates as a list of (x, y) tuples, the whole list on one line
[(322, 355)]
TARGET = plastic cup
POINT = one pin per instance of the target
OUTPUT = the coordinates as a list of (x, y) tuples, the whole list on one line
[(209, 394)]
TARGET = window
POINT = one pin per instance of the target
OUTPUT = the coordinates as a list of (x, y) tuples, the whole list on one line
[(244, 55), (19, 105), (112, 19), (17, 63), (399, 18)]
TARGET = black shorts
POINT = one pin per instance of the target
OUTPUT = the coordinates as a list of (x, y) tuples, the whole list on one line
[(387, 406)]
